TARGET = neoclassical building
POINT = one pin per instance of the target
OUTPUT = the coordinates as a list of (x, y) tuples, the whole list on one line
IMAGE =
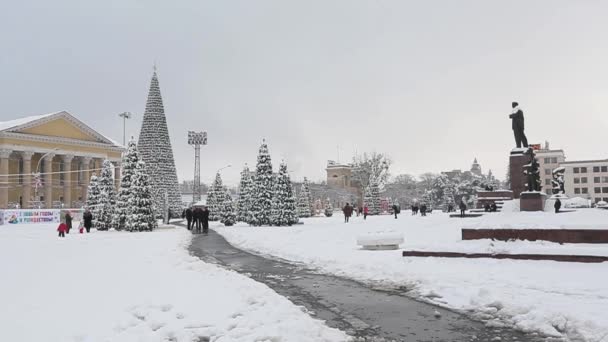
[(62, 149)]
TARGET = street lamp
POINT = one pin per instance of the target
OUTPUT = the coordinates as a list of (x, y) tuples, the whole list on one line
[(37, 173), (124, 116), (197, 139), (220, 169)]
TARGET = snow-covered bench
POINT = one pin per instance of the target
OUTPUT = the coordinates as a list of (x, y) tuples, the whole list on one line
[(380, 240)]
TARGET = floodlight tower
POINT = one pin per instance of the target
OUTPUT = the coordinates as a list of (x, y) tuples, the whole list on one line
[(197, 139)]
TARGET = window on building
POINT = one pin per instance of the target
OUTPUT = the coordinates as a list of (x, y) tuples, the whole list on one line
[(584, 180), (605, 190), (554, 160), (549, 192), (20, 172), (577, 180), (596, 169), (576, 170), (605, 199), (577, 190), (547, 160), (604, 179), (585, 190), (61, 174), (597, 179), (604, 168), (597, 190), (597, 199), (583, 170), (547, 172), (547, 182)]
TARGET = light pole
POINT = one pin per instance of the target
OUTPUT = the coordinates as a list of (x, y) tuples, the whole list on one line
[(197, 139), (220, 169), (124, 116), (37, 174)]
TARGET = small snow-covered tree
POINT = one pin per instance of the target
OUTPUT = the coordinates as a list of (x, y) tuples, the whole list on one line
[(390, 206), (329, 210), (107, 197), (129, 165), (304, 200), (243, 211), (228, 215), (93, 194), (215, 198), (448, 197), (140, 215), (263, 187), (427, 199), (283, 209), (375, 203)]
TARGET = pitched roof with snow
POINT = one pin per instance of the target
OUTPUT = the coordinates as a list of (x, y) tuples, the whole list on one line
[(30, 121)]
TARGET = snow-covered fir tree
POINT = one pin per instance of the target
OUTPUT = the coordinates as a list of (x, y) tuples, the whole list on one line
[(390, 206), (92, 202), (283, 209), (228, 215), (263, 187), (367, 198), (155, 148), (427, 199), (140, 215), (107, 196), (448, 197), (375, 204), (243, 210), (305, 209), (129, 165), (215, 198)]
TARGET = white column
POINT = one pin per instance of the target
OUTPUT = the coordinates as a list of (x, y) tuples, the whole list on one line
[(86, 177), (26, 156), (67, 180), (48, 180), (4, 158)]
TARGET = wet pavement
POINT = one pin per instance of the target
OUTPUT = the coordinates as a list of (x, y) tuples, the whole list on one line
[(365, 313)]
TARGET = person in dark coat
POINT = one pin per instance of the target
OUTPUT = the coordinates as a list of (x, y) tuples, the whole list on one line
[(557, 205), (205, 219), (395, 210), (87, 217), (188, 216), (423, 210), (517, 123), (196, 216), (348, 212), (463, 208), (486, 207), (68, 222), (493, 207)]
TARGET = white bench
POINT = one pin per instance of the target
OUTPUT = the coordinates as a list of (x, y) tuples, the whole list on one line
[(380, 240)]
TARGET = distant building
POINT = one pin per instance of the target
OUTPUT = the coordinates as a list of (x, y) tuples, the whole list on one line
[(587, 179), (476, 168), (340, 177)]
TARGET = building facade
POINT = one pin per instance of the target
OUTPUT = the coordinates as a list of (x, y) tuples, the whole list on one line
[(46, 161), (587, 179)]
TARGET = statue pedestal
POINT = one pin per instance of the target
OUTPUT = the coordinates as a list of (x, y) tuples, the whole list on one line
[(517, 160), (532, 201)]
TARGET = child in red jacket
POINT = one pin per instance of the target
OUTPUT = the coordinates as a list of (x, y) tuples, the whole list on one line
[(62, 229)]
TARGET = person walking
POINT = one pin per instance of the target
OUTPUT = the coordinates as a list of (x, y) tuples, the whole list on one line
[(395, 210), (87, 217), (365, 212), (423, 209), (68, 222), (463, 208), (188, 215), (348, 212), (557, 205), (62, 229), (205, 219)]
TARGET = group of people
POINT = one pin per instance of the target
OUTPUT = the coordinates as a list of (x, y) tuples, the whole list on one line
[(197, 218), (66, 224), (423, 209), (349, 209), (490, 207)]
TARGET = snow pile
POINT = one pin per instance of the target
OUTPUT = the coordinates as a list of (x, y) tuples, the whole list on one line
[(576, 202), (118, 286), (549, 297), (579, 219)]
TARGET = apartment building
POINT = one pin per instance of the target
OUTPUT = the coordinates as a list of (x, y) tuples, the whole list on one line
[(587, 179)]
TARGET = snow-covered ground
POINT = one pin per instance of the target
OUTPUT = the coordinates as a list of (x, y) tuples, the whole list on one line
[(558, 299), (118, 286)]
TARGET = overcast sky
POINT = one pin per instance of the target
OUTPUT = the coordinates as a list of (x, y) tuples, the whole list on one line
[(428, 82)]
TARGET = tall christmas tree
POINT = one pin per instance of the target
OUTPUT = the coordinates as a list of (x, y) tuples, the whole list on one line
[(140, 213), (283, 211), (448, 197), (155, 148), (215, 198), (107, 196), (305, 208), (243, 210), (92, 202), (129, 165), (263, 186)]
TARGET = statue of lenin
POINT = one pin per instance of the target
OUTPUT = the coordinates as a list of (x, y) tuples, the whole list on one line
[(517, 120)]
